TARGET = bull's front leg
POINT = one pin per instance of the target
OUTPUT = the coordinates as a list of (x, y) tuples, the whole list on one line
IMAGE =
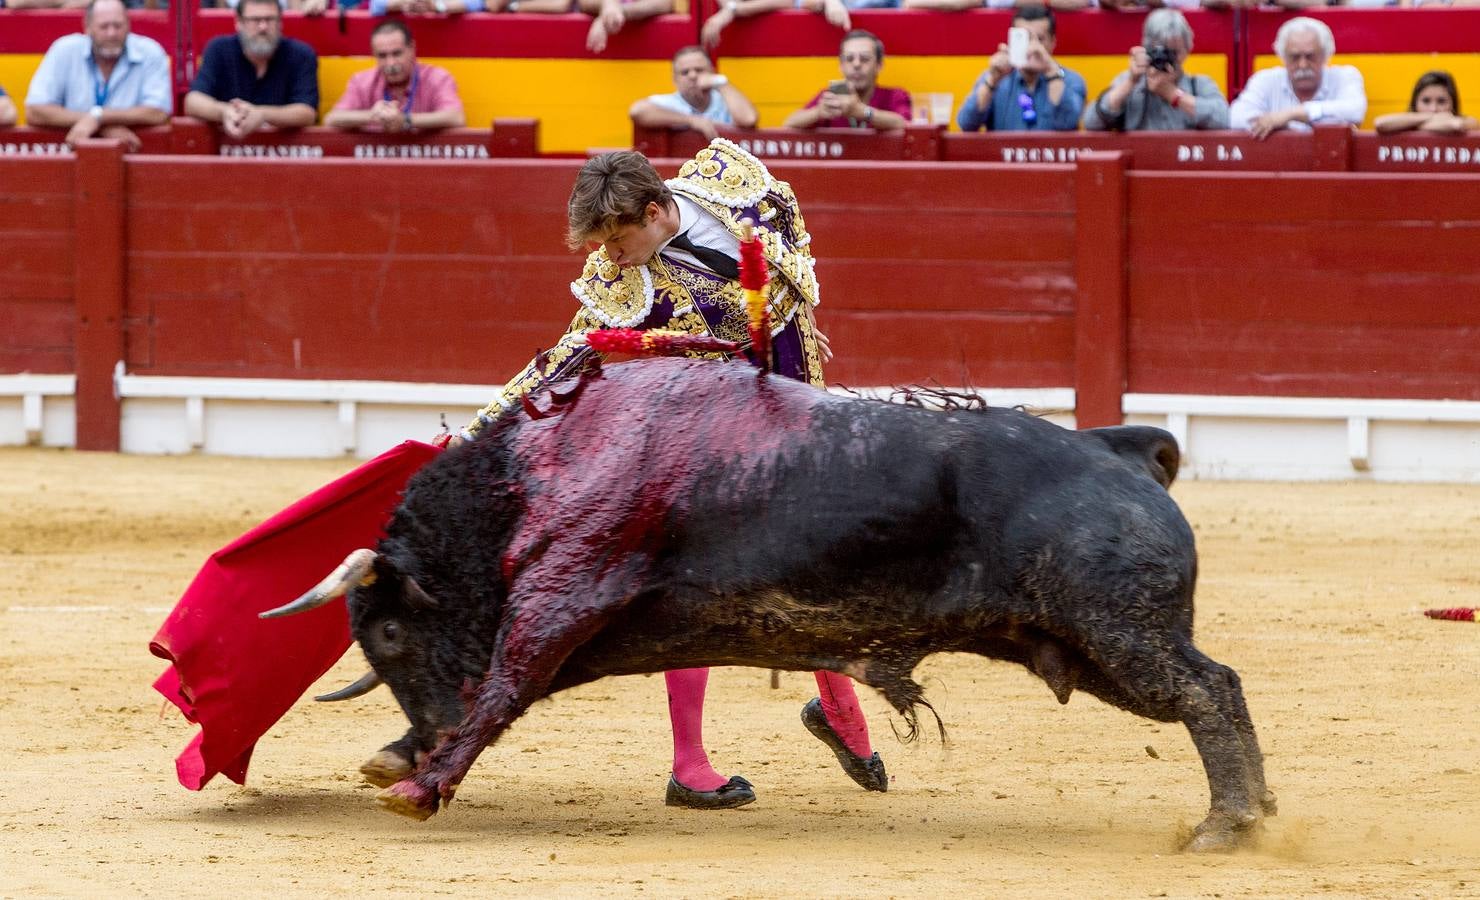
[(546, 627)]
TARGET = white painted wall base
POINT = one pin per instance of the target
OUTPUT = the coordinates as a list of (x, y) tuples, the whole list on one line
[(1234, 438)]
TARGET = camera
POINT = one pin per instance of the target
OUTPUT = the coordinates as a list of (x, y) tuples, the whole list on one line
[(1161, 58)]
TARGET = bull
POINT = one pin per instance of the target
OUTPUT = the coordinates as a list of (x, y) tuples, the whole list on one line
[(678, 513)]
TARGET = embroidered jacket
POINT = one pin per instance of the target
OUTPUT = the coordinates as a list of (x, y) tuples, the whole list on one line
[(729, 184)]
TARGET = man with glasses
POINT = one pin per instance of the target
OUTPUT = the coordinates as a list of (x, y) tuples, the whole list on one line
[(103, 82), (399, 94), (1303, 92), (257, 78), (856, 100), (1039, 95)]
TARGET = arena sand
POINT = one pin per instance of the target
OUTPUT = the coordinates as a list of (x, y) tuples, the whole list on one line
[(1367, 712)]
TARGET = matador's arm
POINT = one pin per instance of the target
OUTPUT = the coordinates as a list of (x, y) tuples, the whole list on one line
[(566, 357)]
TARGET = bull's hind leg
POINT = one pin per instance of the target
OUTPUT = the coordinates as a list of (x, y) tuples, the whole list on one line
[(1181, 684), (545, 627)]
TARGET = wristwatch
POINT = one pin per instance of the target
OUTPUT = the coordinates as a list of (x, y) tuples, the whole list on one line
[(1054, 75), (441, 6), (96, 112), (732, 5)]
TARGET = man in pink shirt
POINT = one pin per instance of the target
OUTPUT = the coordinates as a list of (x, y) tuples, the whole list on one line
[(856, 100), (399, 94)]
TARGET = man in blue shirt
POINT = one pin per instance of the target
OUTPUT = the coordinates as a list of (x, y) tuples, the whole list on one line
[(703, 100), (1040, 95), (257, 78), (101, 82)]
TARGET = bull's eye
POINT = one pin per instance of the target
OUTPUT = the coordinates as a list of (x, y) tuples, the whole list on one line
[(391, 631)]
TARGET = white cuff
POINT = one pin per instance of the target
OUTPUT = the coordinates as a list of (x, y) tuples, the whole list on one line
[(1313, 110)]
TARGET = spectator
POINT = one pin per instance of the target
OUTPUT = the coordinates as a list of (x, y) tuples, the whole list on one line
[(1434, 106), (7, 109), (1303, 92), (399, 94), (607, 16), (1060, 5), (834, 11), (104, 81), (856, 101), (1041, 95), (704, 99), (43, 4), (257, 78), (1155, 94), (447, 7)]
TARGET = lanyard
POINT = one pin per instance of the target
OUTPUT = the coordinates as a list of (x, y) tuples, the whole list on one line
[(101, 87), (410, 91)]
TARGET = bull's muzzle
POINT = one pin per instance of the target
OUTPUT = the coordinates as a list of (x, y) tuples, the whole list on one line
[(356, 570)]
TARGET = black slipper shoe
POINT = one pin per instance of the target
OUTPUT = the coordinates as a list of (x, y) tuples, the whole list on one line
[(735, 792), (869, 773)]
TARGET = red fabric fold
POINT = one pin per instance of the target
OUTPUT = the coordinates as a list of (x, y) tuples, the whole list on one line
[(234, 674)]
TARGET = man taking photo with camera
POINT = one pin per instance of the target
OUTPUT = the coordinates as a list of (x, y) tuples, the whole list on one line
[(1154, 94), (1024, 88)]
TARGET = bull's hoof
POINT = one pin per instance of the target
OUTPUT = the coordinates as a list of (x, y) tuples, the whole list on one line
[(868, 773), (1221, 833), (385, 768), (407, 798), (735, 792), (1269, 804)]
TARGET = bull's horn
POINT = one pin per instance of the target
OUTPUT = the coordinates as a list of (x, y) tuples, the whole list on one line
[(355, 570), (367, 683)]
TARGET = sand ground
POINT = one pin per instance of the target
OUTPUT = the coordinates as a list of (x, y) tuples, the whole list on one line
[(1367, 712)]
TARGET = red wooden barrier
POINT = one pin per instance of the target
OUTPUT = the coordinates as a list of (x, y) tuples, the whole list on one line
[(1304, 285), (911, 143), (37, 234), (962, 274), (508, 138), (99, 266)]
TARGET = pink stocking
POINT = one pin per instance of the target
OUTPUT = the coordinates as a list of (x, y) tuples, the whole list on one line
[(840, 705), (686, 711)]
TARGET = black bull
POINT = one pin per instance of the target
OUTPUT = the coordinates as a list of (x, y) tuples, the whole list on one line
[(680, 513)]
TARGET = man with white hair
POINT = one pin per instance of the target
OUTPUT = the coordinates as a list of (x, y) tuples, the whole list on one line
[(104, 81), (1305, 91), (1154, 93)]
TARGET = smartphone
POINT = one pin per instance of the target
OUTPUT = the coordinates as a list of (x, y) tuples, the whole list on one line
[(1017, 47), (839, 86)]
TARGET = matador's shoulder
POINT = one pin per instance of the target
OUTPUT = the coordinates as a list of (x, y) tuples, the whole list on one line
[(724, 174), (617, 297)]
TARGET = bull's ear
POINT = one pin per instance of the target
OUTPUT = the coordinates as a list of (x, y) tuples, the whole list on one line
[(416, 598)]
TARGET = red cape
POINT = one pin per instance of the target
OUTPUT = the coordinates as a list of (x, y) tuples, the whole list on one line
[(234, 674)]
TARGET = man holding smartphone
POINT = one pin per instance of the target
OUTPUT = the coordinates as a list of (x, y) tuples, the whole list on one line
[(1024, 88), (856, 100)]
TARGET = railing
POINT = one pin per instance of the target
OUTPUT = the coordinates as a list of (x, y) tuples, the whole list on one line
[(507, 138)]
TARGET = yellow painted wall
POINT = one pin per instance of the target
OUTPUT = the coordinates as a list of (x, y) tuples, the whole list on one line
[(1390, 76), (583, 103), (16, 70)]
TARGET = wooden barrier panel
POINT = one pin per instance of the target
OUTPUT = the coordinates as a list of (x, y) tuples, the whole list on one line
[(1197, 150), (1304, 285), (963, 274), (1417, 152), (507, 138), (37, 238), (912, 143), (28, 141)]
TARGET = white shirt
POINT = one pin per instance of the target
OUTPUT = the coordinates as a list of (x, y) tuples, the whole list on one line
[(1342, 97), (704, 230)]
